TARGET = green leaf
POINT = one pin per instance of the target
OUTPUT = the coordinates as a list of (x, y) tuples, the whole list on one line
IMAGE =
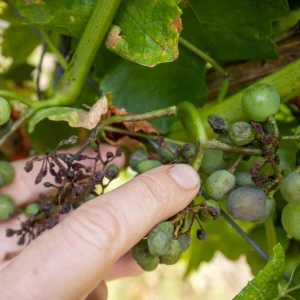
[(146, 31), (232, 30), (139, 89), (68, 17), (18, 40), (265, 285), (293, 285)]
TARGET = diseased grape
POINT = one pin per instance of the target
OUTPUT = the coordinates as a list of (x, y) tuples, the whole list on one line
[(159, 238), (147, 165), (220, 184), (246, 203), (290, 188), (185, 241), (173, 254), (7, 206), (243, 178), (241, 133), (167, 152), (290, 219), (143, 257), (137, 157), (267, 212), (212, 161), (259, 101), (212, 212), (189, 153), (7, 170), (4, 111)]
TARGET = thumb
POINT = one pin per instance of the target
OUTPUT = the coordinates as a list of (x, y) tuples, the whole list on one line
[(70, 260)]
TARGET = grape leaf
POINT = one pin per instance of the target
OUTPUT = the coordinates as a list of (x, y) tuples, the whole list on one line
[(146, 31), (158, 87), (232, 30), (265, 285), (293, 285), (75, 117)]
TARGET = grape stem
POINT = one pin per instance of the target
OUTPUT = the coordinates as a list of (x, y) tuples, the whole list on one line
[(271, 234)]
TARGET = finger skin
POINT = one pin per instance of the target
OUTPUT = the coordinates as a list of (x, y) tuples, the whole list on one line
[(23, 190), (69, 261)]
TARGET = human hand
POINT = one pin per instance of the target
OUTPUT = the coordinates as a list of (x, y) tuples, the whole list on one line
[(73, 260)]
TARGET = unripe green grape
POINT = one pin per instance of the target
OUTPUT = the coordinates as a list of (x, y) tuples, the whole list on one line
[(7, 206), (159, 238), (267, 212), (297, 133), (246, 203), (5, 111), (241, 133), (260, 101), (31, 209), (147, 165), (137, 157), (290, 188), (204, 214), (7, 170), (185, 241), (2, 180), (287, 160), (212, 161), (189, 153), (243, 178), (290, 219), (220, 184), (173, 254), (143, 257)]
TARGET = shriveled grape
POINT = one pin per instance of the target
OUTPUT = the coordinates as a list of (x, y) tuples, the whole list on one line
[(246, 203), (211, 212), (241, 133), (173, 254), (159, 238), (220, 184)]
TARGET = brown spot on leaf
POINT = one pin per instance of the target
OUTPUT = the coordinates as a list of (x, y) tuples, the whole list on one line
[(113, 37), (177, 24)]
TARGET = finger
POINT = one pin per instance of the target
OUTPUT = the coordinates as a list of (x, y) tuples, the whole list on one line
[(99, 293), (85, 245), (125, 266), (23, 190)]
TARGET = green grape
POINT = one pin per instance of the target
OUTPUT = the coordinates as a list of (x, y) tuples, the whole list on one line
[(241, 133), (246, 203), (185, 241), (243, 178), (141, 254), (204, 214), (290, 188), (137, 157), (4, 111), (220, 184), (2, 179), (287, 161), (290, 219), (167, 152), (173, 254), (260, 101), (31, 209), (212, 161), (159, 238), (7, 170), (297, 133), (147, 165), (267, 212), (7, 206), (189, 153)]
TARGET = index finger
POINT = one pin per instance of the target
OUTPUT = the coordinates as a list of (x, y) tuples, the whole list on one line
[(23, 189)]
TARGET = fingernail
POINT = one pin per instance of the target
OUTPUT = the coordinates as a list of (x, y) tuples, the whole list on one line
[(185, 176)]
